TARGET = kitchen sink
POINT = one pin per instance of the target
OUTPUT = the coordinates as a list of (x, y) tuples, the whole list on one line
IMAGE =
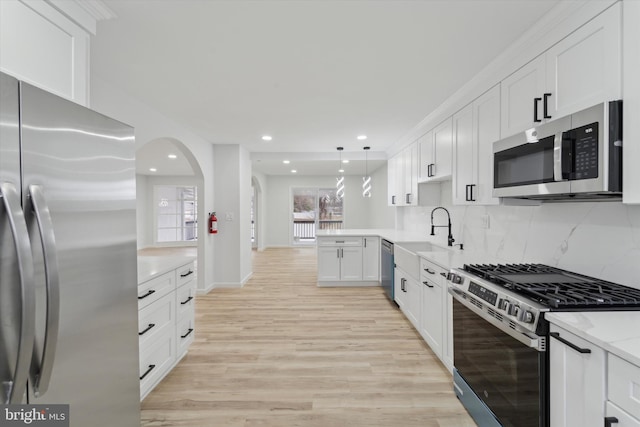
[(407, 259)]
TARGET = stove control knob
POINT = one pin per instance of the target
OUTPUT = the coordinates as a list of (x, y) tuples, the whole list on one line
[(527, 317), (504, 305), (513, 310), (454, 278)]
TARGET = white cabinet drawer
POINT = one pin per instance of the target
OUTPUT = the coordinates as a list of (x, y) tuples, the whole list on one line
[(185, 274), (624, 385), (186, 299), (155, 289), (185, 334), (340, 241), (622, 419), (155, 318), (157, 360), (431, 271)]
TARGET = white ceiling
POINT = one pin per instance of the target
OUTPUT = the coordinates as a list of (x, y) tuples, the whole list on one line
[(313, 74)]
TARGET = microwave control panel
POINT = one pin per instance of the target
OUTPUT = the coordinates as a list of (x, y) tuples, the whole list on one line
[(585, 152)]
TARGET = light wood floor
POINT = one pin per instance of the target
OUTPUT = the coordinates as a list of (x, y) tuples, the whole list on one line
[(283, 352)]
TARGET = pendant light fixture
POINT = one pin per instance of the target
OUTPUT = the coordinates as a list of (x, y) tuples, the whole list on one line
[(366, 179), (340, 178)]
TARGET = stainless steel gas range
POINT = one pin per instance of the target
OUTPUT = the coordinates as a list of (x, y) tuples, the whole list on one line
[(500, 334)]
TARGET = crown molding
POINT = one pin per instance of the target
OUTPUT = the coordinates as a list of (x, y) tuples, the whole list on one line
[(85, 13)]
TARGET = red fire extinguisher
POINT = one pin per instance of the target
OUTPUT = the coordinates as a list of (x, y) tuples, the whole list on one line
[(213, 223)]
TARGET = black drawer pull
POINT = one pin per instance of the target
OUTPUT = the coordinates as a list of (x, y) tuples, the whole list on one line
[(609, 421), (147, 372), (151, 292), (443, 275), (429, 271), (151, 326), (570, 344), (187, 334), (186, 301), (186, 274), (427, 284)]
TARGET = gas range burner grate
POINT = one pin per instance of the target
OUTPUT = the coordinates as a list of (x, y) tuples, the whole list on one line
[(556, 288)]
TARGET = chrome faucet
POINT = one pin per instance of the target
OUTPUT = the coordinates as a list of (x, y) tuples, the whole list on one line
[(450, 238)]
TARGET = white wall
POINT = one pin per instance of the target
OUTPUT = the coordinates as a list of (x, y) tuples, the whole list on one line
[(150, 125), (599, 239), (277, 204), (261, 217), (144, 229), (232, 171)]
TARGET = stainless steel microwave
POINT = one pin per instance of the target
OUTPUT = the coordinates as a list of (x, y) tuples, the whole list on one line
[(574, 157)]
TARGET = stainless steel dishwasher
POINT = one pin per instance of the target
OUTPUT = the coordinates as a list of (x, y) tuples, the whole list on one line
[(387, 267)]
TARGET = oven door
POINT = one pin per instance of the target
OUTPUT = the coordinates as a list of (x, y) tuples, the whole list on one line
[(505, 374)]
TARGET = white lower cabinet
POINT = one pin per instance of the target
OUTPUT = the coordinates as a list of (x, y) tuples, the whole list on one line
[(576, 380), (407, 293), (616, 417), (623, 400), (348, 261), (166, 323)]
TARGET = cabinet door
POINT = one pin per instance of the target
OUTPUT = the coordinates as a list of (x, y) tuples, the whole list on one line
[(518, 92), (576, 381), (399, 287), (463, 156), (351, 263), (425, 155), (400, 196), (431, 322), (392, 197), (410, 163), (585, 68), (442, 150), (447, 357), (486, 131), (414, 301), (328, 263), (371, 258)]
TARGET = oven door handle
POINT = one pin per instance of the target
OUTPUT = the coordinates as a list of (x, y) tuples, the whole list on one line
[(534, 342)]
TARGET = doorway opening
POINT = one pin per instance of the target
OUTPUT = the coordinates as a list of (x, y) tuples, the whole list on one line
[(314, 209)]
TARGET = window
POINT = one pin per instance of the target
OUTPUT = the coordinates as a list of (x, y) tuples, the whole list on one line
[(176, 213)]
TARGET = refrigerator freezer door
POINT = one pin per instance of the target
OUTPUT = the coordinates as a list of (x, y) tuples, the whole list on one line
[(83, 165), (17, 296)]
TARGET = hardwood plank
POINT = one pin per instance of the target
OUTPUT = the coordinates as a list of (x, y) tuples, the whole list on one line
[(283, 352)]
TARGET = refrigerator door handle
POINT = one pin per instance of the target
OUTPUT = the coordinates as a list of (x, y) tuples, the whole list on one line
[(41, 375), (13, 390)]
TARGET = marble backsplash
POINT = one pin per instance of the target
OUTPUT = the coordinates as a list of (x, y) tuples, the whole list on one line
[(599, 239)]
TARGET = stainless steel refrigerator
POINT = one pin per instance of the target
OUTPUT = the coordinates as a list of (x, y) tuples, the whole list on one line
[(68, 278)]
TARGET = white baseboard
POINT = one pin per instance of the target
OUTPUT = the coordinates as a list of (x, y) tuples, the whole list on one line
[(205, 290)]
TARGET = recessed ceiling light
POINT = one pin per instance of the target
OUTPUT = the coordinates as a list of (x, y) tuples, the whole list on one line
[(153, 169), (341, 170), (172, 156), (266, 138), (362, 137), (286, 162), (293, 171), (345, 161)]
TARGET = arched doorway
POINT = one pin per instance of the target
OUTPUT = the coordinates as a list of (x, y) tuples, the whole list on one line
[(167, 166)]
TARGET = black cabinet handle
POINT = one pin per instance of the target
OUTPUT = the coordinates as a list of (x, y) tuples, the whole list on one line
[(151, 292), (148, 328), (468, 196), (187, 334), (427, 284), (430, 172), (186, 301), (151, 367), (545, 107), (429, 271), (393, 200), (570, 344), (535, 110), (609, 421), (186, 274), (444, 275)]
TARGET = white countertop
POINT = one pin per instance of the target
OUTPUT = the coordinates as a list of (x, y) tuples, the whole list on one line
[(150, 266), (617, 332)]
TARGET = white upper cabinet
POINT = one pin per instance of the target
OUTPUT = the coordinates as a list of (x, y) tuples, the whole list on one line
[(475, 128), (631, 104), (578, 72), (402, 179), (436, 152), (392, 196), (44, 47)]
